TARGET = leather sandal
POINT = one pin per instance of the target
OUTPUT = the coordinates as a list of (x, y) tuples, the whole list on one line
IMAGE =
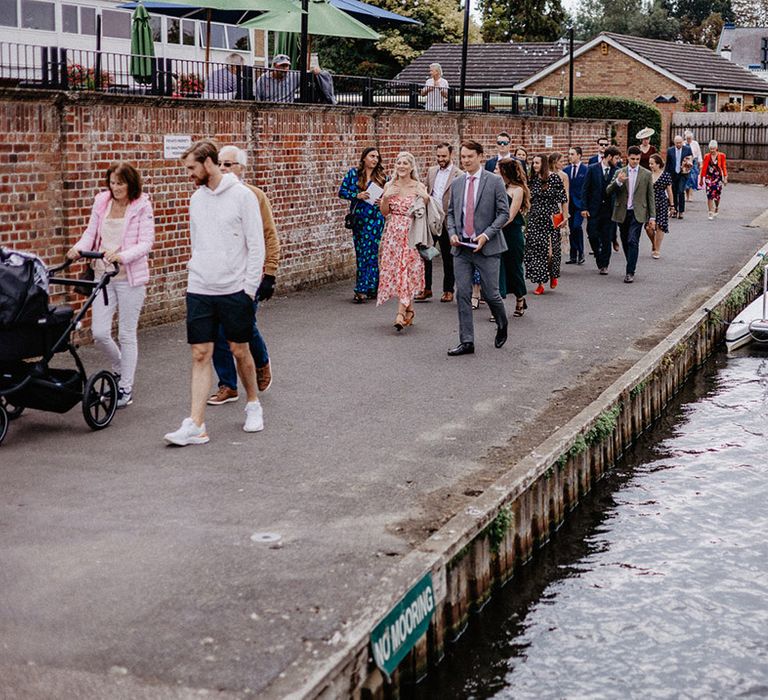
[(475, 302), (520, 306), (399, 323), (409, 316)]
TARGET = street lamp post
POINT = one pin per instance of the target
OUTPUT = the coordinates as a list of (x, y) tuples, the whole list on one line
[(570, 71), (464, 43), (304, 58)]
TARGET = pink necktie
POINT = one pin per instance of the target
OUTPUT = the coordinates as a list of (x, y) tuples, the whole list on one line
[(469, 215)]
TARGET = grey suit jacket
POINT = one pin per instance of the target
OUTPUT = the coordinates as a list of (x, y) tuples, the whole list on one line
[(491, 211), (643, 198)]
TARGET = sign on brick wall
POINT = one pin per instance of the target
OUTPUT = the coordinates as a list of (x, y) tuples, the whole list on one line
[(175, 144)]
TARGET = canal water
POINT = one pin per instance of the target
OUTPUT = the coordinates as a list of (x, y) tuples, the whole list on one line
[(657, 585)]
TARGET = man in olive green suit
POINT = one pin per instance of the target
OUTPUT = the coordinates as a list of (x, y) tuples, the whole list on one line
[(634, 205)]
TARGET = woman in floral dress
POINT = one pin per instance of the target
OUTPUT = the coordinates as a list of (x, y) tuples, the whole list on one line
[(542, 242), (367, 223), (714, 174), (401, 270)]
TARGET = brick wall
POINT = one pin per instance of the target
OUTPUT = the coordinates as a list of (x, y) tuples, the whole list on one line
[(56, 148), (751, 172)]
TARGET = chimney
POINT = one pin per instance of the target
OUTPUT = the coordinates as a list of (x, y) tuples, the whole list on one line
[(725, 52)]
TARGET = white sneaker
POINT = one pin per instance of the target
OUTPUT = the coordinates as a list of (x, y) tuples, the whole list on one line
[(188, 434), (710, 216), (254, 417)]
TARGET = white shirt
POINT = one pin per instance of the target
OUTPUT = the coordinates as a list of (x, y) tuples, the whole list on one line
[(476, 177), (632, 177), (441, 182), (696, 150), (435, 100)]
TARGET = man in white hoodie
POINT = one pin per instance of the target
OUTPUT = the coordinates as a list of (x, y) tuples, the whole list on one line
[(224, 273)]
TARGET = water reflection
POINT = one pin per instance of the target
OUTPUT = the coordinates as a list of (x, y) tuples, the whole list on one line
[(658, 585)]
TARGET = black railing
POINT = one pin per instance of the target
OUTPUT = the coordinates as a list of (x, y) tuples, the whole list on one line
[(55, 68)]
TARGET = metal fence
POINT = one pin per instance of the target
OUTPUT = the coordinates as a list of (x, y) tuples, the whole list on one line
[(739, 136), (55, 68)]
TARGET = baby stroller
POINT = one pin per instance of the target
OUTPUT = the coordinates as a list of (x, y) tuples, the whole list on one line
[(32, 332)]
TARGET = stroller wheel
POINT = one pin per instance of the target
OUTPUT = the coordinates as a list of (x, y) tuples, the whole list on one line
[(10, 409), (4, 420), (100, 400)]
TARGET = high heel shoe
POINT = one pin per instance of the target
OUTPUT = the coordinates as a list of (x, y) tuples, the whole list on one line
[(409, 316), (553, 283), (520, 307), (539, 289), (399, 323), (475, 302)]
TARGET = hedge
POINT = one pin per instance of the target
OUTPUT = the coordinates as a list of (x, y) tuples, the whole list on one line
[(639, 114)]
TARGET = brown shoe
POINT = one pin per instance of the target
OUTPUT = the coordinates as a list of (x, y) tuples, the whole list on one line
[(264, 377), (424, 295), (222, 396), (447, 297)]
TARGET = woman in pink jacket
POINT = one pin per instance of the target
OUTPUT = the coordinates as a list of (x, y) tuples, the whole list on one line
[(122, 226)]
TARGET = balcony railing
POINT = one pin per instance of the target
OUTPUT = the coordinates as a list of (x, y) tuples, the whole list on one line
[(55, 68)]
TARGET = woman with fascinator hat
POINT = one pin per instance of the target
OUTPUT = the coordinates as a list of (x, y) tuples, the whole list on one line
[(646, 149)]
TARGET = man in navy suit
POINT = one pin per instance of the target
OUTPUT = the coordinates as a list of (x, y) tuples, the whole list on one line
[(577, 173), (502, 143), (673, 166), (598, 207), (602, 144)]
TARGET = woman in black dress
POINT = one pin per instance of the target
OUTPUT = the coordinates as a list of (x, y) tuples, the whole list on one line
[(662, 189), (542, 244), (519, 198)]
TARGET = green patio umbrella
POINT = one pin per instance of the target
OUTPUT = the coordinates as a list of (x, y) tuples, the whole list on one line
[(324, 20), (142, 46)]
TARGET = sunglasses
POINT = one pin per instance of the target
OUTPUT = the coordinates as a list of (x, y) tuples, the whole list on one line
[(228, 163), (500, 142)]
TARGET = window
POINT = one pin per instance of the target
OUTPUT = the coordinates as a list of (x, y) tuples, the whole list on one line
[(239, 38), (181, 31), (9, 15), (709, 100), (218, 36), (738, 99), (116, 24), (759, 100), (88, 21), (157, 29), (37, 14), (69, 21)]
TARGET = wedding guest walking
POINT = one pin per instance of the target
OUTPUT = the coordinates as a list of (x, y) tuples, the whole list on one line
[(675, 167), (367, 221), (542, 245), (402, 270), (598, 208), (576, 172), (634, 205), (693, 178), (478, 210), (519, 198), (503, 151), (646, 148), (439, 179), (714, 174), (662, 189), (602, 144), (122, 226)]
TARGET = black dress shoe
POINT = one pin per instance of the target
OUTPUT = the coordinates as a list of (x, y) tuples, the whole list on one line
[(501, 336), (581, 261), (570, 262), (462, 349)]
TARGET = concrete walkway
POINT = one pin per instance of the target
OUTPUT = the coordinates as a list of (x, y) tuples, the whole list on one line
[(128, 569)]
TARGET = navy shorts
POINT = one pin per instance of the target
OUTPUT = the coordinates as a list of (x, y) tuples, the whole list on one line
[(206, 312)]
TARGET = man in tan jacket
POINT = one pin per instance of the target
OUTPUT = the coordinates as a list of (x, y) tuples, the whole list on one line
[(439, 179), (234, 160)]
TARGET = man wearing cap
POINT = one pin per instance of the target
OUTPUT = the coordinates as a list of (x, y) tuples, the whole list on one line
[(279, 84)]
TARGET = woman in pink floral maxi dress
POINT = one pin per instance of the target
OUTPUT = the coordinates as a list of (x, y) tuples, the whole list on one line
[(401, 268)]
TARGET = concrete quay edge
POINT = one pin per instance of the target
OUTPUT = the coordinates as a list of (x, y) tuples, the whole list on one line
[(348, 671)]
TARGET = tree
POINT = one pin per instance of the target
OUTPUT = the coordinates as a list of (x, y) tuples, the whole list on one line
[(442, 23), (751, 13), (623, 17), (521, 20), (693, 13)]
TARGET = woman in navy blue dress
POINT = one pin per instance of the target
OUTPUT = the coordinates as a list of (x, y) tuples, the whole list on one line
[(368, 221)]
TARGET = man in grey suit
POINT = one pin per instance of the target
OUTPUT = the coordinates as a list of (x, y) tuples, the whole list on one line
[(634, 205), (477, 211)]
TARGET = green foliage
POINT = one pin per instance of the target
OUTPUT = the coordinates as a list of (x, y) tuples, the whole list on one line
[(521, 20), (696, 11), (579, 447), (603, 426), (443, 23), (636, 390), (623, 17), (498, 528), (639, 113)]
